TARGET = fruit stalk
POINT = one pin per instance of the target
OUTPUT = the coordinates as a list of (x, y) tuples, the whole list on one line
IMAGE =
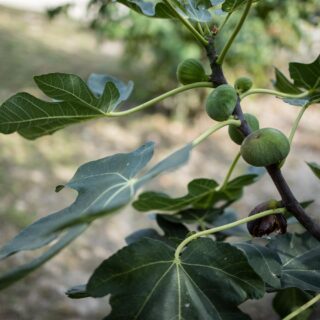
[(288, 198)]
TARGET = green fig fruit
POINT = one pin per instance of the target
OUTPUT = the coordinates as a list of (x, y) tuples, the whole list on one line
[(243, 84), (190, 71), (234, 132), (221, 102), (265, 147)]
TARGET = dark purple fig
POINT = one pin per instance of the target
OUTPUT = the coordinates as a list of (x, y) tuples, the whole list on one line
[(273, 223)]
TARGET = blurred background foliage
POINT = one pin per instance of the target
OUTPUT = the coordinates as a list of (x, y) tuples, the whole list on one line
[(155, 46), (273, 24)]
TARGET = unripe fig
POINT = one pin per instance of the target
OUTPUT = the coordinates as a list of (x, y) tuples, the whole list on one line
[(221, 102), (243, 84), (236, 135), (268, 224), (190, 71), (265, 147)]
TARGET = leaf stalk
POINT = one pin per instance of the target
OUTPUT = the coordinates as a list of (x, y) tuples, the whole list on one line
[(199, 234)]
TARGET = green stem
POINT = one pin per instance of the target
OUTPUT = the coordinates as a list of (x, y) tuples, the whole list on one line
[(188, 25), (225, 21), (275, 93), (213, 129), (235, 32), (227, 177), (302, 308), (222, 228), (296, 123), (159, 98), (200, 28), (207, 28)]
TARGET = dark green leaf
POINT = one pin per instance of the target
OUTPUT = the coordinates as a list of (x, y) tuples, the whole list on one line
[(300, 256), (17, 273), (306, 75), (103, 186), (264, 261), (146, 282), (290, 299), (78, 292), (74, 102), (315, 168), (283, 84), (192, 216), (202, 193), (234, 189)]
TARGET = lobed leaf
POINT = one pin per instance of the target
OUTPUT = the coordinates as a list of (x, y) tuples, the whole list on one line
[(103, 186), (208, 282), (305, 77), (300, 256), (202, 193), (73, 102), (264, 262)]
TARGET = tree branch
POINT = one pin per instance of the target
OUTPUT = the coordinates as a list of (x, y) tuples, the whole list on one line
[(288, 198)]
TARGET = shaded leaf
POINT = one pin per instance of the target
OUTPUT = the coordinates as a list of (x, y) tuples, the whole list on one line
[(210, 280), (174, 232), (315, 168), (305, 77), (103, 186), (264, 262), (290, 299), (300, 256), (78, 292), (74, 102), (202, 193), (283, 84)]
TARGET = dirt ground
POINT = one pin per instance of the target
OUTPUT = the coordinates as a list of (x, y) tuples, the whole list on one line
[(30, 170)]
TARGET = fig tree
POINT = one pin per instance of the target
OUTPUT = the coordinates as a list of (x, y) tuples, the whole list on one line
[(221, 102), (236, 135), (190, 71), (265, 147)]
